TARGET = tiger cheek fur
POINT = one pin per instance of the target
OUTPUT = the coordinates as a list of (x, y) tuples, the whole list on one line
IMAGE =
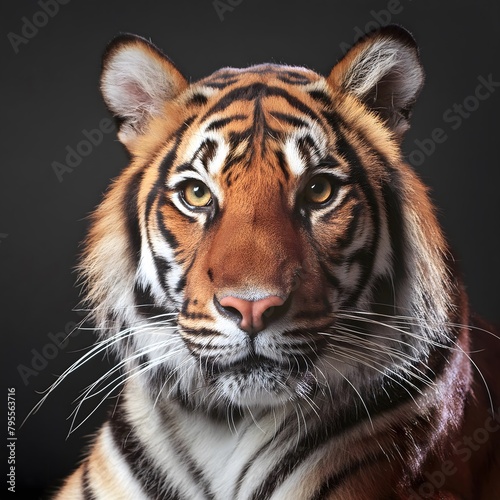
[(274, 283)]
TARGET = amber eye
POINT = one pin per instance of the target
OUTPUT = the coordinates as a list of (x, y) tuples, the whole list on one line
[(318, 190), (196, 194)]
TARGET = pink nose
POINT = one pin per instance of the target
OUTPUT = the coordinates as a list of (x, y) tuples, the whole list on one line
[(252, 311)]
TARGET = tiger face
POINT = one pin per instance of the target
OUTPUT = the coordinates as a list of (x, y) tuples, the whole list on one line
[(263, 218)]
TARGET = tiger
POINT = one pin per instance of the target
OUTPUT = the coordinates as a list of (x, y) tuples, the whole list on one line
[(288, 319)]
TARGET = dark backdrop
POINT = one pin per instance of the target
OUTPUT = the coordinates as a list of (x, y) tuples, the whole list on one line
[(50, 75)]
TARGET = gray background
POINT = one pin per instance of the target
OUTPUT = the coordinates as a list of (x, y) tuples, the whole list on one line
[(51, 95)]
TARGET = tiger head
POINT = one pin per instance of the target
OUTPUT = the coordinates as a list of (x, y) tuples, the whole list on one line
[(267, 234)]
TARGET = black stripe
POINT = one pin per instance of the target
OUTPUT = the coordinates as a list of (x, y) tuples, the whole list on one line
[(144, 300), (293, 79), (282, 164), (336, 480), (203, 352), (185, 167), (162, 267), (295, 74), (167, 162), (158, 378), (399, 393), (217, 413), (88, 492), (226, 169), (235, 138), (322, 97), (308, 141), (197, 100), (360, 256), (331, 162), (205, 332), (292, 459), (244, 471), (132, 216), (356, 211), (306, 147), (331, 278), (208, 152), (196, 315), (166, 233), (181, 284), (396, 225), (259, 126), (220, 85), (217, 124), (295, 103), (288, 118), (185, 458), (151, 478), (182, 281)]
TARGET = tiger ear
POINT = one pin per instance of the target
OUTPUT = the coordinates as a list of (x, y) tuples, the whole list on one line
[(383, 70), (137, 80)]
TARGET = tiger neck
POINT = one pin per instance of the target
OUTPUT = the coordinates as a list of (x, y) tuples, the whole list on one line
[(223, 455)]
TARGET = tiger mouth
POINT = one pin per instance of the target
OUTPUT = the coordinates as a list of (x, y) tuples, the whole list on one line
[(260, 381), (253, 363)]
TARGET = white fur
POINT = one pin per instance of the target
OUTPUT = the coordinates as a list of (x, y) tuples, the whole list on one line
[(117, 467), (380, 58), (294, 160), (135, 86)]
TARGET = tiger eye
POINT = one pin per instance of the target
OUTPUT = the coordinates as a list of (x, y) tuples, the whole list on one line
[(197, 194), (318, 190)]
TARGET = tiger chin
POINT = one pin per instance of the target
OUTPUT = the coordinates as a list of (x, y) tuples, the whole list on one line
[(282, 303)]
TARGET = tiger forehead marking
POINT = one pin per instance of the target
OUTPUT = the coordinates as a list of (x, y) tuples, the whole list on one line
[(276, 287), (256, 112)]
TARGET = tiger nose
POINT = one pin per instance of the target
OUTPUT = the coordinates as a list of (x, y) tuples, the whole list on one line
[(252, 312)]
